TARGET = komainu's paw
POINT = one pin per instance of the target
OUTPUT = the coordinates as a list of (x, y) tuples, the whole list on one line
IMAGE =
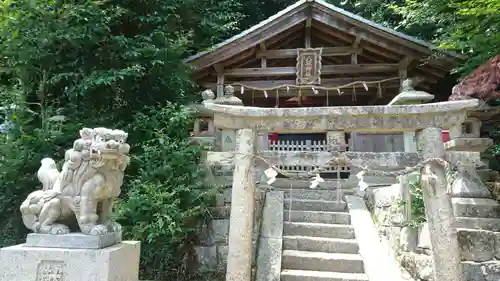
[(55, 229), (59, 229), (114, 227), (92, 229), (99, 230)]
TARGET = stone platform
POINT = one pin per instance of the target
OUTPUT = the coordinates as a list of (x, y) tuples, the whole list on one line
[(73, 240), (119, 262)]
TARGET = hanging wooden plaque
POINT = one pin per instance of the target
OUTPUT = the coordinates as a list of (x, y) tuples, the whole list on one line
[(309, 66)]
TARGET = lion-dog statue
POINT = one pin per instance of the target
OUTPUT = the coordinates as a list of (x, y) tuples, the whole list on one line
[(80, 197)]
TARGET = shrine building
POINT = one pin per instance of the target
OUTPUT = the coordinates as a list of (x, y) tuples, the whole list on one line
[(315, 54)]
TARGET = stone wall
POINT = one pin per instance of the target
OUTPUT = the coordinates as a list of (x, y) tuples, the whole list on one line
[(480, 249), (212, 241), (494, 188)]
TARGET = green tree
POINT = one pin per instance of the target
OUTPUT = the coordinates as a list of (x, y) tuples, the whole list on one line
[(106, 63), (166, 191), (470, 27)]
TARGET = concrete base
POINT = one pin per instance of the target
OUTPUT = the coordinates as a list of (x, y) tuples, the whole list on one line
[(116, 263), (73, 240)]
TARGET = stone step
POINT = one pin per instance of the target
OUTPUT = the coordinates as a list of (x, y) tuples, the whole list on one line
[(309, 275), (475, 207), (478, 223), (421, 265), (316, 194), (285, 183), (318, 230), (304, 260), (478, 245), (317, 216), (320, 244), (316, 205)]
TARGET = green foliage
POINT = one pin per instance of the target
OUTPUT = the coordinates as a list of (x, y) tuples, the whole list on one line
[(166, 192), (110, 55), (417, 203), (114, 64), (21, 151), (470, 27), (117, 63)]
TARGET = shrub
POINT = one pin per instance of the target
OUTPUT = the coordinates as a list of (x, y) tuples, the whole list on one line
[(417, 203), (30, 139), (165, 191)]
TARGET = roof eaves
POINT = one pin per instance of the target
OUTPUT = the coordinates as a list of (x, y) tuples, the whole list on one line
[(385, 29), (249, 30), (328, 6)]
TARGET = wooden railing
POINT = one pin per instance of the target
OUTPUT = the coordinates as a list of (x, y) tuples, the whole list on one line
[(298, 145), (306, 146)]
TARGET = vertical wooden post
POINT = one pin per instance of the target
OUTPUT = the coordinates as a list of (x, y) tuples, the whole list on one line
[(438, 209), (220, 80), (239, 259), (403, 70), (263, 59), (307, 38)]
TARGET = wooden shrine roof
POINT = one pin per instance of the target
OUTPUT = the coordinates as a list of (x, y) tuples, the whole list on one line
[(380, 52)]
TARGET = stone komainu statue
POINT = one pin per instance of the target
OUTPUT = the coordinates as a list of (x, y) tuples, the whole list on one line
[(80, 197)]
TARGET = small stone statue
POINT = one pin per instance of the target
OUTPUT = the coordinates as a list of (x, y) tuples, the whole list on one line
[(409, 95), (207, 95), (228, 98), (408, 85), (228, 91), (82, 193)]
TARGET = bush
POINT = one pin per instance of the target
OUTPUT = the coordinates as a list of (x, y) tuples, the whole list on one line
[(166, 191), (31, 138), (417, 203)]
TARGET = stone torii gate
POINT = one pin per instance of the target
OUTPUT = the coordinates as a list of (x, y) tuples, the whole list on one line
[(424, 119)]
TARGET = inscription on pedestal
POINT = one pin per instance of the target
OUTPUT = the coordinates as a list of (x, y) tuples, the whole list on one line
[(228, 140), (50, 271)]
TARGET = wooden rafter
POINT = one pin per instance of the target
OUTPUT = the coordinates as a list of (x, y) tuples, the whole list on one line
[(253, 39), (367, 31), (327, 69), (307, 37), (355, 31), (290, 53), (327, 34), (276, 41)]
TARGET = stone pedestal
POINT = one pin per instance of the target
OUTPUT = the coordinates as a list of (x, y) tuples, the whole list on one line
[(73, 240), (465, 154), (119, 262)]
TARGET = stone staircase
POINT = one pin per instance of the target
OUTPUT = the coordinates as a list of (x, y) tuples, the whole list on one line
[(478, 229), (318, 241)]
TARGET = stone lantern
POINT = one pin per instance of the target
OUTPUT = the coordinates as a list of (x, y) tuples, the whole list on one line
[(227, 137), (203, 130)]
